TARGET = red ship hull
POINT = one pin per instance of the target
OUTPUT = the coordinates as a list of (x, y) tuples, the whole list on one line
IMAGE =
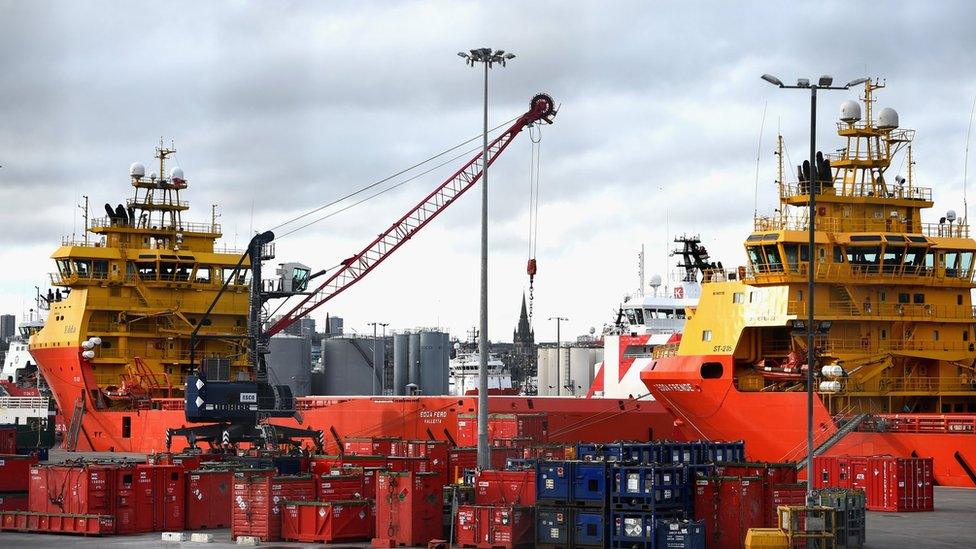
[(569, 419), (774, 424)]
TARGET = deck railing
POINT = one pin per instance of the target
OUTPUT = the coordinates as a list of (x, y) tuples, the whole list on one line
[(893, 310)]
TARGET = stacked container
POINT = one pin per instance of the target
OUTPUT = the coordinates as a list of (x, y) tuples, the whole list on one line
[(258, 496), (850, 505), (890, 483), (408, 508), (209, 498), (327, 522), (573, 504)]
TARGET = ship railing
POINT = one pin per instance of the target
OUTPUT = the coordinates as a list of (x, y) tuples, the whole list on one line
[(183, 226), (926, 384), (801, 189), (894, 310), (856, 225), (61, 279), (90, 243), (723, 275), (921, 423), (665, 351), (39, 404), (831, 345), (146, 204)]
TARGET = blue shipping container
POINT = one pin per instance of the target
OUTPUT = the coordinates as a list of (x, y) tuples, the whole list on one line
[(552, 526), (589, 528), (635, 529), (580, 482), (652, 486), (680, 534)]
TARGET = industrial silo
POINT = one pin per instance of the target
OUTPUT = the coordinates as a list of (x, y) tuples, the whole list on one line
[(290, 363), (445, 375), (413, 356), (433, 378), (401, 363), (347, 366), (581, 362), (542, 371)]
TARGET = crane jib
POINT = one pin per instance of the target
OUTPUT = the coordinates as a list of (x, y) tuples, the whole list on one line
[(542, 109)]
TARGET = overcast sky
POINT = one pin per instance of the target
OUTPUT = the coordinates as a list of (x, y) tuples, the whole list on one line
[(278, 107)]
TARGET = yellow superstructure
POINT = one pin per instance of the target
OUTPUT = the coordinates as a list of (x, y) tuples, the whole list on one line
[(892, 293), (141, 285)]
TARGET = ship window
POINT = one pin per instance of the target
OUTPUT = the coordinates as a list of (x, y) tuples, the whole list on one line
[(146, 270), (82, 268), (866, 238), (914, 259), (882, 296), (965, 264), (203, 274), (64, 267), (706, 335), (126, 427), (935, 335), (772, 259), (100, 268), (753, 237), (965, 335), (755, 256), (952, 263), (838, 254), (805, 252), (918, 298), (630, 316), (799, 295), (739, 297), (240, 279), (884, 335), (639, 314), (892, 259), (904, 298), (711, 370), (866, 256), (959, 299), (791, 256)]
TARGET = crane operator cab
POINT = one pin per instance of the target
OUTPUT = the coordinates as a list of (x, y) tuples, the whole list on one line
[(292, 278)]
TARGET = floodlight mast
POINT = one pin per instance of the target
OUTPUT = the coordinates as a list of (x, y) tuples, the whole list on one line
[(823, 83)]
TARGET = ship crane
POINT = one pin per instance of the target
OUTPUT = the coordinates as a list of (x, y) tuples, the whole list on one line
[(235, 410)]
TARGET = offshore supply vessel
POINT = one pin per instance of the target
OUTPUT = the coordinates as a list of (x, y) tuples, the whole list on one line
[(894, 342), (154, 303)]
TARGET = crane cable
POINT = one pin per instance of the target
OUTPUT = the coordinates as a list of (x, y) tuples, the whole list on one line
[(380, 182), (533, 240)]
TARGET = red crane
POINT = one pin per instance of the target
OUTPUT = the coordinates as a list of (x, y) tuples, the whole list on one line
[(541, 109)]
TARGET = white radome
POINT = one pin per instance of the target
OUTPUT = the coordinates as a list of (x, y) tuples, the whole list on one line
[(137, 170), (176, 174), (850, 111), (888, 119)]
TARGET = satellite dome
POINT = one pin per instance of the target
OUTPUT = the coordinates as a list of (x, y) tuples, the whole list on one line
[(137, 170), (152, 175), (850, 111), (888, 119), (655, 281), (951, 215), (176, 174)]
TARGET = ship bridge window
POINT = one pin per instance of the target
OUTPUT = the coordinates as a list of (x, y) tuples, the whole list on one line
[(240, 279), (202, 274), (958, 264), (174, 271), (773, 261), (64, 267), (914, 259), (891, 261), (838, 254), (756, 257), (639, 314), (100, 268), (146, 270), (81, 268), (792, 256), (864, 256)]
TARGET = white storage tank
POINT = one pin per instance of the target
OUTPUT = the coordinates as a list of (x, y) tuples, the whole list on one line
[(290, 363), (401, 363)]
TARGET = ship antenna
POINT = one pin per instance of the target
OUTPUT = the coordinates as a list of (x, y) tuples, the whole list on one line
[(965, 169), (762, 126)]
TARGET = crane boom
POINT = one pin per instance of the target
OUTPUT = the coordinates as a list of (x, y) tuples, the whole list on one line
[(541, 109)]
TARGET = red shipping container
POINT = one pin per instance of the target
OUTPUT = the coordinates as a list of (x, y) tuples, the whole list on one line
[(86, 490), (15, 472), (56, 523), (135, 502), (505, 487), (730, 506), (377, 446), (899, 484), (8, 439), (13, 501), (848, 472), (503, 426), (773, 473), (409, 509), (169, 491), (208, 499), (491, 527), (257, 502), (783, 494), (461, 459), (547, 452), (341, 487), (326, 522)]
